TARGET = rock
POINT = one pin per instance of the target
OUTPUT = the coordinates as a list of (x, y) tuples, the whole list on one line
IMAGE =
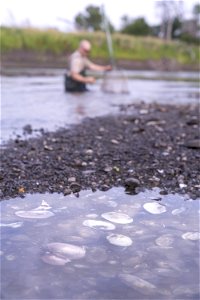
[(75, 187), (193, 121), (131, 184), (193, 144), (71, 179), (67, 192), (27, 129)]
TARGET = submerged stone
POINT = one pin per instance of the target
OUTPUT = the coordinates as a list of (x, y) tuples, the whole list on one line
[(117, 217)]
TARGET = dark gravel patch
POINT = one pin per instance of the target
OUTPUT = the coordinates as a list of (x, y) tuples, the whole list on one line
[(145, 146)]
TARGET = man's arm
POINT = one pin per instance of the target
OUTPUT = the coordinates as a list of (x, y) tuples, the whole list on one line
[(95, 67), (83, 79)]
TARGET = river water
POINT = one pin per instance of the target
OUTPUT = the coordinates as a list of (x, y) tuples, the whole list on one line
[(37, 98), (64, 247)]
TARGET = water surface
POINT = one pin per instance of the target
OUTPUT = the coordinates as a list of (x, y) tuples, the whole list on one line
[(39, 99), (161, 263)]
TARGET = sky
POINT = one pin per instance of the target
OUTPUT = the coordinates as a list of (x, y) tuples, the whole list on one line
[(57, 13)]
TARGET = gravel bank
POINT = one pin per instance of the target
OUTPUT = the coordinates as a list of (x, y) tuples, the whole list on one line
[(145, 146)]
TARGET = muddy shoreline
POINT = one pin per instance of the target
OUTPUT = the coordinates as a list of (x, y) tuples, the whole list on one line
[(37, 60), (145, 146)]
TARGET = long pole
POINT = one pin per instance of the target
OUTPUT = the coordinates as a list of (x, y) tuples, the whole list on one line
[(108, 37)]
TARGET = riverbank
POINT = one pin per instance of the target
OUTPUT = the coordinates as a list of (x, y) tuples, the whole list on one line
[(31, 47), (23, 59), (145, 146)]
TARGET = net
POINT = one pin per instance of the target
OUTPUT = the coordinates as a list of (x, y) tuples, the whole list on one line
[(114, 81)]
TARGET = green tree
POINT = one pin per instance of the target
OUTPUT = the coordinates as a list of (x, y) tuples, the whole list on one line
[(91, 19), (196, 10), (137, 27)]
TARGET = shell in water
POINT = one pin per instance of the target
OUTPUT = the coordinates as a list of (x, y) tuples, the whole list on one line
[(99, 224), (12, 225), (117, 217), (66, 250), (154, 208), (34, 214), (62, 253), (193, 236), (119, 240), (178, 211), (43, 206), (54, 260), (137, 283), (40, 212), (164, 240)]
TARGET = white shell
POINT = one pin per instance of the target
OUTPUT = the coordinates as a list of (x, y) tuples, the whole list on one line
[(164, 240), (193, 236), (117, 217), (154, 208), (34, 214), (62, 253), (99, 224), (43, 206), (119, 240)]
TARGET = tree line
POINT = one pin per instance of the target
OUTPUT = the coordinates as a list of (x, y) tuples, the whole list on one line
[(172, 23)]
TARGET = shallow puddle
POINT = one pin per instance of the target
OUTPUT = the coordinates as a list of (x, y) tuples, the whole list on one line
[(102, 245)]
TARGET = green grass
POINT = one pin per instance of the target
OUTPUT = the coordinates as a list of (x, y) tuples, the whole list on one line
[(125, 46)]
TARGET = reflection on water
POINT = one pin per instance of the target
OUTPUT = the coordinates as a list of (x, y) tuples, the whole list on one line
[(102, 245), (41, 101)]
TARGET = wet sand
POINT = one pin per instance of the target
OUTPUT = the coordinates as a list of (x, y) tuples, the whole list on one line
[(145, 146)]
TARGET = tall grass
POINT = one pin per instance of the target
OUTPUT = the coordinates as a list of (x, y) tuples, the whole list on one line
[(125, 46)]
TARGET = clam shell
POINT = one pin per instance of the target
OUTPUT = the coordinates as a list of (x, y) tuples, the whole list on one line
[(34, 214), (178, 211), (117, 217), (137, 283), (99, 224), (12, 225), (43, 206), (154, 208), (164, 240), (193, 236), (54, 260), (66, 251), (119, 240)]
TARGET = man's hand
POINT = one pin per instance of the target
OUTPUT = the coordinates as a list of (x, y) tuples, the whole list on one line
[(90, 79), (108, 68)]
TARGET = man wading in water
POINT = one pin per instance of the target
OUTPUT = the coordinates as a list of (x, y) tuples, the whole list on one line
[(76, 80)]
